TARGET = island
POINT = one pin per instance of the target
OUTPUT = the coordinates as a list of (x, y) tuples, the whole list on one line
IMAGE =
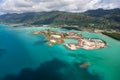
[(71, 40)]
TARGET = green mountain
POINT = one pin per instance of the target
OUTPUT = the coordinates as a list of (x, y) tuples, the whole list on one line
[(103, 19), (113, 14)]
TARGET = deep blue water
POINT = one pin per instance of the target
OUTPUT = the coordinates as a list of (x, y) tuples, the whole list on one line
[(24, 56)]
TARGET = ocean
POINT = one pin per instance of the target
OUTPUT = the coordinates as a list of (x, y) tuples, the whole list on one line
[(24, 56)]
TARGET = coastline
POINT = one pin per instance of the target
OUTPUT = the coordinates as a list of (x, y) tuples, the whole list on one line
[(55, 37), (113, 35)]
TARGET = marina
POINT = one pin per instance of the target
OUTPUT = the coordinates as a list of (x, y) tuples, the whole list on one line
[(71, 40)]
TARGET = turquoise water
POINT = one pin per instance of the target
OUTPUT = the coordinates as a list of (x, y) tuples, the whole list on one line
[(20, 49), (67, 41)]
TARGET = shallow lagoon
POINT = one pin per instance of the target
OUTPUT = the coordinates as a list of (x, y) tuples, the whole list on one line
[(20, 49)]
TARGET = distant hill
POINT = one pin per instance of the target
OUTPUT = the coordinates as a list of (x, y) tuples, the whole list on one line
[(90, 19), (113, 14)]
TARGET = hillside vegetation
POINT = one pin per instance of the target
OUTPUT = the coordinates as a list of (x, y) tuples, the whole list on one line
[(101, 19)]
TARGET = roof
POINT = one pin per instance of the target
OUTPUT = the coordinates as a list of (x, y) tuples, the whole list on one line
[(56, 36)]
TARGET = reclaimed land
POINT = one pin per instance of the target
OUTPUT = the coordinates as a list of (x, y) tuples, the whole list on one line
[(113, 35)]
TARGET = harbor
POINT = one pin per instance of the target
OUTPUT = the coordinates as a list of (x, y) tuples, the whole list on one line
[(71, 40)]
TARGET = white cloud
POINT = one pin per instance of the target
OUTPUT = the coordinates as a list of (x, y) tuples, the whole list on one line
[(17, 6)]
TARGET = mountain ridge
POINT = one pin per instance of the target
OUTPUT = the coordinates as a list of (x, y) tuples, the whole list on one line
[(92, 18)]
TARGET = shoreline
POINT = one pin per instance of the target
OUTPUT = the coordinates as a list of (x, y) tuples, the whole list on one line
[(113, 35), (56, 37)]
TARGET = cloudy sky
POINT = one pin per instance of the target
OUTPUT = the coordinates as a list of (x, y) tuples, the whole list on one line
[(18, 6)]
